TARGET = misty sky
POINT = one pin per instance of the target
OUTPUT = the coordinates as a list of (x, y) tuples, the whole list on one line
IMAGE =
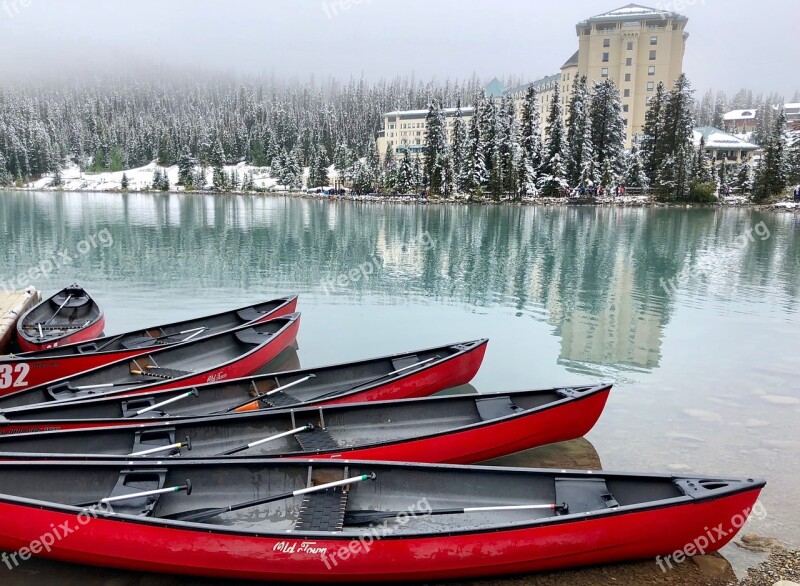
[(732, 43)]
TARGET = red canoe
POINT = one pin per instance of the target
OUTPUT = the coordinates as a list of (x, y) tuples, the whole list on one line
[(231, 354), (69, 316), (314, 521), (410, 374), (35, 368), (459, 429)]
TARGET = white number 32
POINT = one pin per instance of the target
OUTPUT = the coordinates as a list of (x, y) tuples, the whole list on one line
[(8, 378)]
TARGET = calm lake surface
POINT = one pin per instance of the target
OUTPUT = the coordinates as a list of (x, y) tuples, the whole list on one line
[(695, 313)]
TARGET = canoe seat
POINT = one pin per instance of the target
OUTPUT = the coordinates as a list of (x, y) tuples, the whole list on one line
[(404, 361), (249, 314), (322, 511), (317, 440), (131, 408), (495, 407), (146, 439), (281, 399), (251, 336), (88, 348), (584, 494), (132, 481)]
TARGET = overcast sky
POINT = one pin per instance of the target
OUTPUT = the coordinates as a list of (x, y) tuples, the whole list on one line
[(732, 43)]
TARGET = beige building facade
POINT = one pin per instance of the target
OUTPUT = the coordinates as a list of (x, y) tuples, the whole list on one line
[(408, 130)]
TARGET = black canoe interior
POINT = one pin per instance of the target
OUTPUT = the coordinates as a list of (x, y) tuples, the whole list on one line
[(219, 397), (158, 366), (212, 324), (79, 310), (395, 488), (337, 427)]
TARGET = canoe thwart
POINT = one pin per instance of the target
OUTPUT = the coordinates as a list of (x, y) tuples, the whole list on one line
[(582, 495)]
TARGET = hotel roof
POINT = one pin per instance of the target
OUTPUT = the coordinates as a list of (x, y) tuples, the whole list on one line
[(633, 12), (719, 139)]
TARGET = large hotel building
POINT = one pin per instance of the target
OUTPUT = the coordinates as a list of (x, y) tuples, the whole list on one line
[(635, 46)]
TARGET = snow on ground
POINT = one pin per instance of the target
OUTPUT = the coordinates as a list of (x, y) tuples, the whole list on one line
[(141, 178)]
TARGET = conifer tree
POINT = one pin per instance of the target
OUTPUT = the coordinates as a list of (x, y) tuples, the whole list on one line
[(744, 178), (389, 170), (608, 130), (531, 131), (460, 153), (186, 165), (577, 122), (552, 179), (770, 177), (653, 131), (124, 182), (436, 149), (478, 174), (678, 129), (634, 170)]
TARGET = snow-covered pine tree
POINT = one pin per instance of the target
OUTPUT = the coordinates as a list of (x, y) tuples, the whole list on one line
[(653, 131), (157, 179), (552, 177), (589, 171), (704, 114), (531, 130), (677, 136), (233, 182), (634, 169), (186, 165), (720, 108), (460, 153), (124, 182), (436, 149), (487, 121), (406, 174), (608, 130), (217, 162), (389, 170), (792, 158), (722, 176), (5, 176), (744, 178), (577, 121), (770, 177), (508, 146), (702, 167), (478, 174)]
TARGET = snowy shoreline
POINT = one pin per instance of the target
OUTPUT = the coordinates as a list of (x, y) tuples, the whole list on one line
[(140, 181), (623, 201)]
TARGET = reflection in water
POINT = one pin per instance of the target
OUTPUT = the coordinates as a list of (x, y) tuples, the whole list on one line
[(596, 275), (697, 325), (577, 454)]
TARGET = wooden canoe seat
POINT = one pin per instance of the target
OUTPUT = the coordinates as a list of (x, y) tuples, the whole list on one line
[(584, 494), (495, 407), (322, 511), (133, 481)]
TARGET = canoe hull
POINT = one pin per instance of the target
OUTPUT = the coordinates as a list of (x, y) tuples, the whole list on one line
[(92, 331), (39, 371), (643, 534), (457, 371)]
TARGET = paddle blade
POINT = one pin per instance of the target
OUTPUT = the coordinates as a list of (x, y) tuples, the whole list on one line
[(252, 406)]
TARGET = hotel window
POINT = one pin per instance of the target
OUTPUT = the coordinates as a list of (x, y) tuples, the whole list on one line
[(605, 57), (630, 45), (604, 72), (606, 42), (652, 55), (649, 86), (625, 121), (651, 70), (627, 77), (626, 94), (625, 108), (654, 40), (629, 61)]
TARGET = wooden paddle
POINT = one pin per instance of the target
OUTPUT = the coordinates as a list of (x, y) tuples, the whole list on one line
[(202, 515), (367, 517)]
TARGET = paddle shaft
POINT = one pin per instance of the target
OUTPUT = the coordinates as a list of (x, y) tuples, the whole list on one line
[(167, 402), (205, 514), (277, 436), (135, 495), (273, 391), (60, 307), (364, 517), (187, 443), (373, 380)]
